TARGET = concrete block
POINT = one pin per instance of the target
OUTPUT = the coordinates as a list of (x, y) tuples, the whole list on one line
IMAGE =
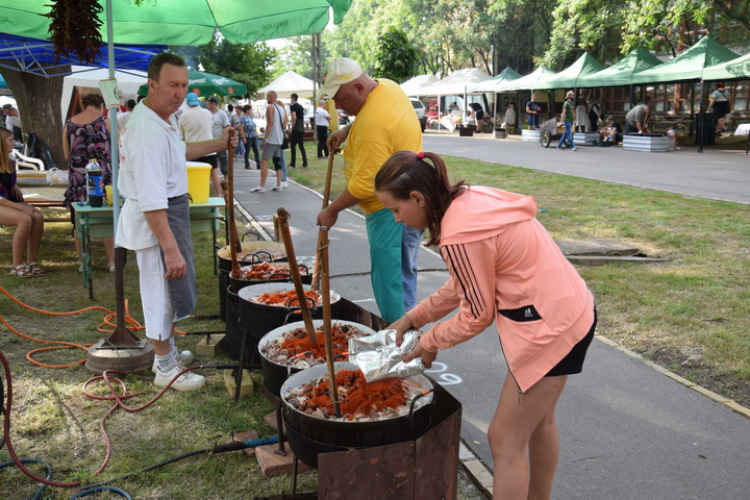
[(230, 384), (273, 464), (245, 436), (210, 345)]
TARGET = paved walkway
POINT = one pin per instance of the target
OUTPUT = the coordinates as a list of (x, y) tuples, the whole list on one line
[(719, 173), (629, 430)]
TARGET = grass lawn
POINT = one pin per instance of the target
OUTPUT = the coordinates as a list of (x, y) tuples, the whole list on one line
[(690, 314)]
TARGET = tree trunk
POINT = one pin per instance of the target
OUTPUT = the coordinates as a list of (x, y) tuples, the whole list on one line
[(38, 99)]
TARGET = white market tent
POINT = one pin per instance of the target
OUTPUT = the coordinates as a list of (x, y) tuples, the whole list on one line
[(414, 85), (289, 83), (88, 78), (457, 82), (497, 81)]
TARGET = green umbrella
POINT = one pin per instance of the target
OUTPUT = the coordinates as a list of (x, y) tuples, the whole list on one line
[(207, 84), (187, 22)]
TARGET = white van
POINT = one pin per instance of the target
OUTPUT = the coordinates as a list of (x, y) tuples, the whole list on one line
[(420, 110)]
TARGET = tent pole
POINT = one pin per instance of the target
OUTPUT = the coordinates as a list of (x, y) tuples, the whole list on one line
[(701, 118), (113, 122)]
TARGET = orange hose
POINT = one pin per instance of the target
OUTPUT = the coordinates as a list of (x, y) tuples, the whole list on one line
[(133, 325)]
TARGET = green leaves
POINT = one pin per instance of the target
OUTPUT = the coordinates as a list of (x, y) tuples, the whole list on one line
[(247, 63), (396, 57)]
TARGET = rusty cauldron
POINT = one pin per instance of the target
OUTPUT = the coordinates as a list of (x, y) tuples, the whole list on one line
[(308, 435)]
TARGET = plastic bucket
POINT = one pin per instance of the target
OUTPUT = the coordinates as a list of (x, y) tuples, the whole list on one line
[(108, 189), (199, 181)]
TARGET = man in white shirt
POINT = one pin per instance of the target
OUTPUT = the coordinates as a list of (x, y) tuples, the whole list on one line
[(219, 119), (155, 219), (321, 127), (196, 126), (122, 118), (12, 119)]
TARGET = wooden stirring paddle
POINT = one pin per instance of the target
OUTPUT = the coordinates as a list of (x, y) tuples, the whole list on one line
[(286, 236)]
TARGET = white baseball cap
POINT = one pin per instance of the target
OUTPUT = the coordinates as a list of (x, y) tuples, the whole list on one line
[(340, 71)]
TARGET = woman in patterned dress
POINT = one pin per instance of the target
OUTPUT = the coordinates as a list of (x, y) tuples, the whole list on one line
[(87, 137)]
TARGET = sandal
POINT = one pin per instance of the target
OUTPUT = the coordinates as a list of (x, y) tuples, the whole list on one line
[(111, 267), (20, 271), (33, 268)]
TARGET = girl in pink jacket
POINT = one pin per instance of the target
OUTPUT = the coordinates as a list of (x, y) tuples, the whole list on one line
[(504, 267)]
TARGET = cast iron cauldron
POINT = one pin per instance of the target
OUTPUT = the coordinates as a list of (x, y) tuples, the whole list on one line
[(237, 283), (275, 374), (308, 436), (260, 319), (252, 252)]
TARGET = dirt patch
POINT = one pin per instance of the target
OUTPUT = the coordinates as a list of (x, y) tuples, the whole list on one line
[(688, 364)]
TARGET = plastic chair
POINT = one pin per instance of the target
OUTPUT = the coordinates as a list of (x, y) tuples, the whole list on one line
[(27, 162)]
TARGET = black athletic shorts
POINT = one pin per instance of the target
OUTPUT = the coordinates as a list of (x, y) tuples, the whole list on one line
[(573, 362), (212, 160)]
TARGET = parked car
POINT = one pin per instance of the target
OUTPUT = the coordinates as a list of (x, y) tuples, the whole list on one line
[(420, 110)]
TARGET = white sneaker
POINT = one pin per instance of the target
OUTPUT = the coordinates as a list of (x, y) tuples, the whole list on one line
[(277, 188), (284, 185), (186, 382), (184, 358), (258, 189)]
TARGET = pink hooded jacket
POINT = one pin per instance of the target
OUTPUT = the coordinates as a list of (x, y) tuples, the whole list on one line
[(504, 266)]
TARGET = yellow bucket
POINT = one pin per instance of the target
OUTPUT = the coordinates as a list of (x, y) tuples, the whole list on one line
[(199, 181), (108, 189)]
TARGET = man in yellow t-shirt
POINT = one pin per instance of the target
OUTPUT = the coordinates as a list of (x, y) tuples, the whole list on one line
[(385, 124)]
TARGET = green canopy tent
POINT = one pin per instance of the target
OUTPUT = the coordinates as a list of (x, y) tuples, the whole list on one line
[(736, 69), (568, 78), (621, 73), (528, 82), (689, 65), (207, 84)]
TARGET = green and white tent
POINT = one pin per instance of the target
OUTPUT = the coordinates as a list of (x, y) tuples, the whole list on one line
[(621, 73), (568, 78), (736, 69), (689, 65), (528, 82), (497, 81)]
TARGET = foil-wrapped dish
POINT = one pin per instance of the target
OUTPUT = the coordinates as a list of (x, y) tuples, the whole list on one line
[(378, 356)]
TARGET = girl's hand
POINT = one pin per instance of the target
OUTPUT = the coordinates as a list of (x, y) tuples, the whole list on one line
[(400, 325), (420, 352)]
